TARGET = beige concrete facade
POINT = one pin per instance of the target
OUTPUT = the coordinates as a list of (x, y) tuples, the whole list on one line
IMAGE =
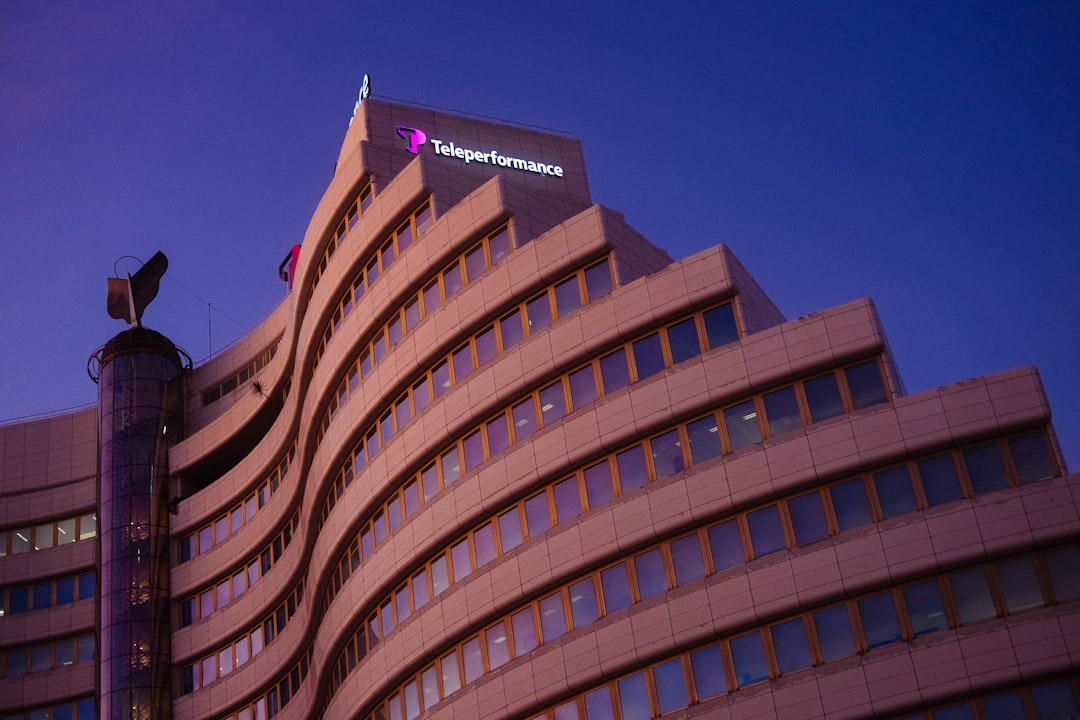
[(571, 479)]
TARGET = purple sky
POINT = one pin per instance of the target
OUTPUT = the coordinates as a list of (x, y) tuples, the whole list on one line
[(924, 154)]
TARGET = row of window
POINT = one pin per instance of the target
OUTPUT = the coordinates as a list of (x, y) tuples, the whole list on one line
[(458, 364), (85, 709), (217, 596), (49, 534), (46, 656), (1046, 701), (369, 272), (273, 700), (219, 664), (513, 424), (353, 211), (47, 594), (660, 456), (811, 638), (405, 318), (215, 533), (750, 534), (242, 376)]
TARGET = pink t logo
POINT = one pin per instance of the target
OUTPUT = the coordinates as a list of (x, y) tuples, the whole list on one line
[(415, 136)]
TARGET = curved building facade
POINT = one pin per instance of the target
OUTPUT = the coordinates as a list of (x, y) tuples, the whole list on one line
[(498, 456)]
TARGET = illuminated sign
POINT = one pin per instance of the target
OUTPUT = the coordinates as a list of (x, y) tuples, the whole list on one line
[(417, 137), (365, 91)]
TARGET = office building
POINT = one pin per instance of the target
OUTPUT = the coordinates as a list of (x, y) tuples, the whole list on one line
[(498, 456)]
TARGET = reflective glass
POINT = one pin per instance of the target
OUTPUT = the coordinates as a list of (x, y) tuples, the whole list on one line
[(486, 347), (850, 504), (65, 653), (1003, 707), (632, 472), (1054, 701), (742, 425), (459, 555), (686, 557), (1063, 565), (473, 447), (648, 356), (537, 514), (499, 245), (510, 529), (462, 361), (524, 414), (926, 612), (634, 697), (613, 371), (452, 279), (971, 593), (432, 299), (667, 454), (43, 596), (683, 341), (791, 646), (412, 314), (782, 411), (498, 435), (582, 387), (670, 685), (704, 439), (472, 659), (567, 296), (429, 479), (833, 630), (552, 620), (598, 487), (615, 584), (566, 711), (598, 705), (823, 398), (440, 579), (1031, 457), (954, 712), (707, 666), (552, 403), (598, 280), (720, 326), (538, 312), (583, 607), (451, 677), (450, 465), (749, 658), (879, 621), (484, 540), (864, 382), (894, 491), (524, 631), (65, 591), (651, 578), (498, 649), (939, 479), (567, 500), (475, 263), (985, 468), (766, 531), (725, 545), (807, 518), (510, 329), (1020, 584)]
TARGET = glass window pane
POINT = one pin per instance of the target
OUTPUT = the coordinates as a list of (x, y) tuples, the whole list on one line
[(498, 435), (742, 425), (925, 608), (537, 514), (43, 596), (567, 296), (725, 545), (475, 262), (823, 398), (43, 536), (440, 578), (524, 627), (720, 326), (510, 329), (566, 711), (613, 371), (782, 411), (1020, 584), (462, 562), (450, 465), (524, 414), (412, 315), (683, 341), (510, 529), (65, 591), (473, 446), (40, 657), (472, 659), (687, 559), (583, 607), (670, 685), (552, 620), (598, 280), (484, 540), (707, 665), (65, 653), (749, 658), (1003, 707), (864, 382), (87, 648), (552, 403), (1031, 456), (486, 347), (954, 712), (807, 518), (985, 468), (567, 500), (879, 621), (420, 589), (452, 279), (1063, 566), (939, 479), (87, 526), (1054, 701), (451, 677), (850, 504), (631, 466), (598, 488), (582, 387), (894, 491), (615, 584), (429, 479), (667, 454), (651, 578), (431, 298), (971, 592), (634, 698), (648, 356), (499, 245), (834, 632), (766, 531), (598, 705), (792, 649), (538, 312), (15, 659), (18, 600), (704, 438), (498, 649), (462, 360)]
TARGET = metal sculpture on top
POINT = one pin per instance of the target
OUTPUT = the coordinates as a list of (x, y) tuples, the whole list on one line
[(128, 297)]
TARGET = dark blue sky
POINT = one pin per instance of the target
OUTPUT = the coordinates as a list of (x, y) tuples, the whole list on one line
[(924, 154)]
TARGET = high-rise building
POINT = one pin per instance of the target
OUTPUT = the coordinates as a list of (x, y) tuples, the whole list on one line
[(498, 456)]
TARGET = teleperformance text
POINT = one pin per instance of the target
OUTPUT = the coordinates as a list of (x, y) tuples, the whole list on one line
[(494, 158)]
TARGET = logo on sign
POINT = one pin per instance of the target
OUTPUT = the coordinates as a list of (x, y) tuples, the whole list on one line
[(414, 136)]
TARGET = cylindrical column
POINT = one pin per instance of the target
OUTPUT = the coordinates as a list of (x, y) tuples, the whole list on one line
[(139, 404)]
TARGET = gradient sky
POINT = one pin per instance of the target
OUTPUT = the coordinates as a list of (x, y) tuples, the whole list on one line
[(925, 154)]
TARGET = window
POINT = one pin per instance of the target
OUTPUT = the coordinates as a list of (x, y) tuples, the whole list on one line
[(670, 686), (598, 489), (925, 609), (782, 411), (583, 606), (615, 584), (648, 356), (985, 468), (879, 621), (683, 341), (748, 655), (631, 465), (538, 311), (939, 479), (807, 518), (823, 398), (598, 280), (707, 666), (766, 532), (833, 628), (667, 454), (894, 491), (971, 593), (792, 649), (850, 504), (634, 697), (704, 438), (864, 382), (567, 296), (1031, 457), (687, 560), (742, 425), (614, 372), (725, 544), (651, 577), (1020, 584), (720, 326)]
